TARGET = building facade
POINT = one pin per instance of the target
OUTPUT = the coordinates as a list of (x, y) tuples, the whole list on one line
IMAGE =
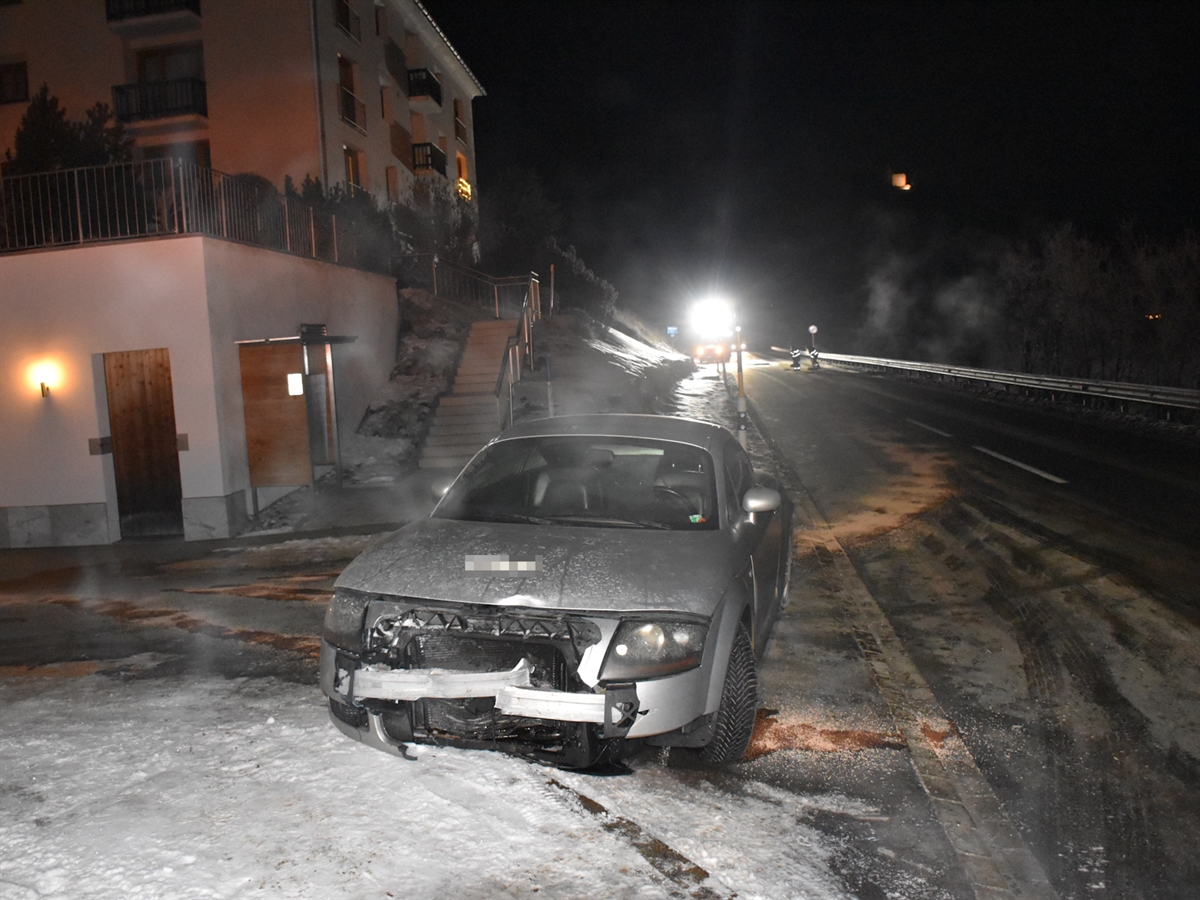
[(368, 94), (176, 349)]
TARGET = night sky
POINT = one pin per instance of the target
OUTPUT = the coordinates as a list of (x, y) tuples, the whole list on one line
[(748, 147)]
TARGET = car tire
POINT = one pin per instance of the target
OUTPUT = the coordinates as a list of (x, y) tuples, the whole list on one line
[(739, 704)]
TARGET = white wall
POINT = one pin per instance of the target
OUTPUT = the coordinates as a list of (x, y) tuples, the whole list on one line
[(255, 294), (195, 296), (66, 305)]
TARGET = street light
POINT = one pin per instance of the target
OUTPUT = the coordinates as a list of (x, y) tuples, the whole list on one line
[(812, 330)]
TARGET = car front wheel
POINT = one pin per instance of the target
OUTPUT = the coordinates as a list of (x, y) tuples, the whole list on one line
[(739, 703)]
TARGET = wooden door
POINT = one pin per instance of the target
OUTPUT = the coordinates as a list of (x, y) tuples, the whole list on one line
[(141, 415), (277, 440)]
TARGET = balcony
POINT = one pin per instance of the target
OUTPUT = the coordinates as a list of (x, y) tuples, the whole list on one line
[(429, 158), (353, 110), (464, 189), (423, 83), (160, 99), (148, 18)]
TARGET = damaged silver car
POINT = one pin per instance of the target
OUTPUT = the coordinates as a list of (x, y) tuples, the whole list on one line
[(586, 584)]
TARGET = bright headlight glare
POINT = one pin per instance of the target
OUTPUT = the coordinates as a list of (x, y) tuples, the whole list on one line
[(642, 649)]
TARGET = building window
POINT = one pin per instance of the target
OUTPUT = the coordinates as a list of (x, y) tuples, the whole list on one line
[(354, 169), (14, 83), (385, 102), (393, 183), (352, 109), (464, 177), (170, 63), (380, 20), (460, 121), (347, 19)]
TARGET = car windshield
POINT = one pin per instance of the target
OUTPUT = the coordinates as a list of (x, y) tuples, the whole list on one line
[(594, 481)]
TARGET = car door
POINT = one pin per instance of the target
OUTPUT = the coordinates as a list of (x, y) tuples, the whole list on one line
[(754, 538)]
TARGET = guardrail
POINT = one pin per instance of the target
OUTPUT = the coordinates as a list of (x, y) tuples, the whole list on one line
[(1182, 398)]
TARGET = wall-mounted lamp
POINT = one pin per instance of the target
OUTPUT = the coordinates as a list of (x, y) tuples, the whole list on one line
[(295, 384), (45, 375)]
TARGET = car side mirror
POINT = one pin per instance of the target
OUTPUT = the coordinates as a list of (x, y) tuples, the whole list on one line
[(761, 500)]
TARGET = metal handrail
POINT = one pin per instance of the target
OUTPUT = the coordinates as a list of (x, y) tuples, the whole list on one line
[(159, 197), (1184, 398)]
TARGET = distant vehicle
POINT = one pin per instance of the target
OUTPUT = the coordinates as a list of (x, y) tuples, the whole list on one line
[(713, 351), (586, 584)]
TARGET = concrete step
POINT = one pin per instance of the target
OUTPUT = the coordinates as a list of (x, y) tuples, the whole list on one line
[(470, 383), (494, 325), (467, 400)]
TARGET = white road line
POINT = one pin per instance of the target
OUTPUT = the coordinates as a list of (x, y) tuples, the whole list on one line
[(930, 428), (1020, 465)]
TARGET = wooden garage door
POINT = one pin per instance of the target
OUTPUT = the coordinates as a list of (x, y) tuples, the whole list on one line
[(141, 415), (276, 422)]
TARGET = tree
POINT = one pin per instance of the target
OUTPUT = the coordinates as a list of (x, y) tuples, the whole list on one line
[(47, 140)]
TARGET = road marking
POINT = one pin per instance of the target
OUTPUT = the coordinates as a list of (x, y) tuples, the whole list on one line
[(930, 428), (1020, 465)]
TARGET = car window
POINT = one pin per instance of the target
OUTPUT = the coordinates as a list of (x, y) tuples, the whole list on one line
[(594, 481), (739, 475)]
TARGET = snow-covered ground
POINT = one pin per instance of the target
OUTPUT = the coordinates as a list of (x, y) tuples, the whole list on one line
[(116, 787)]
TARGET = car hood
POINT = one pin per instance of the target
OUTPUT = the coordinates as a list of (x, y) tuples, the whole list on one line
[(600, 569)]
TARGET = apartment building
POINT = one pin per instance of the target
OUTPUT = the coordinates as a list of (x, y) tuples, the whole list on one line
[(368, 94), (172, 338)]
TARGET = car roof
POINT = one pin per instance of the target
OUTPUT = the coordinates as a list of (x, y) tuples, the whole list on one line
[(667, 428)]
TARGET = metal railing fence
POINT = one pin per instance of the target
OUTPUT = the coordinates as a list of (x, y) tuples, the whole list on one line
[(1182, 398), (162, 197)]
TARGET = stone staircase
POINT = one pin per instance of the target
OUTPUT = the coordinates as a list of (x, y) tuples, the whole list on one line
[(466, 418)]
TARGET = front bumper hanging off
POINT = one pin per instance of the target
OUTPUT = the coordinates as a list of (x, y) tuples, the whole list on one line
[(615, 708)]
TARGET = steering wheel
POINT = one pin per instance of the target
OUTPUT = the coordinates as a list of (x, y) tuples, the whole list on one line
[(675, 497)]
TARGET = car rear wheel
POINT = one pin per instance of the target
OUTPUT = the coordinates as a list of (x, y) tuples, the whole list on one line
[(739, 703)]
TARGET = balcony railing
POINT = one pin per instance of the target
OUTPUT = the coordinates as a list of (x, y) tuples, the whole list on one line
[(119, 10), (160, 99), (464, 189), (353, 110), (423, 83), (162, 197), (429, 158), (347, 19)]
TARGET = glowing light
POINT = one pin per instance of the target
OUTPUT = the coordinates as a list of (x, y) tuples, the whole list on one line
[(45, 375), (295, 384), (900, 180), (464, 189), (712, 317)]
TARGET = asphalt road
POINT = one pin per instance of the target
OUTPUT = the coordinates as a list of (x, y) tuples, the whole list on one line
[(1041, 576)]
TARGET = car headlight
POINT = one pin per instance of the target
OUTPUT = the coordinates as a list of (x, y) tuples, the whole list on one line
[(653, 648), (344, 619)]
